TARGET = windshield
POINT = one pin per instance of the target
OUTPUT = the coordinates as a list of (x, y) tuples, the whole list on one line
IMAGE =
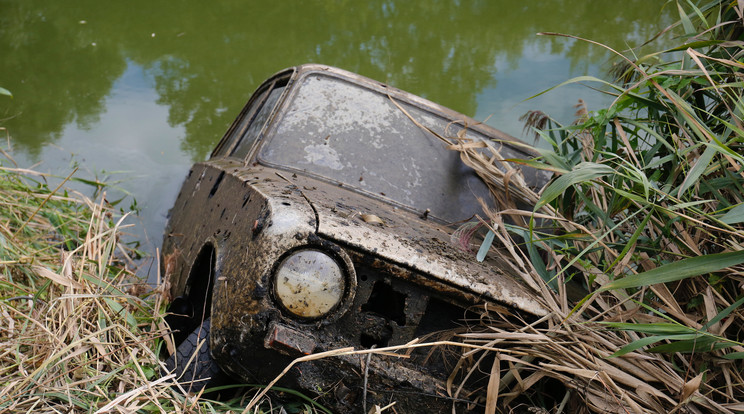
[(358, 137)]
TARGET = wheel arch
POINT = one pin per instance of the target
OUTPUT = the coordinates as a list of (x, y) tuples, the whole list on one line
[(201, 278), (194, 304)]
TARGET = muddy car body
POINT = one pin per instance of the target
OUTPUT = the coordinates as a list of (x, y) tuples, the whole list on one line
[(320, 221)]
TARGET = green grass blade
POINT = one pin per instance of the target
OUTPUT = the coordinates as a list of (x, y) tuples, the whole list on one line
[(724, 313), (686, 23), (698, 169), (734, 216), (702, 343), (734, 355), (659, 328), (537, 261), (679, 270), (637, 344), (586, 171), (485, 246), (117, 308)]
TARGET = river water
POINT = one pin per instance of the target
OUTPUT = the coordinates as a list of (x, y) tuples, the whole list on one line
[(133, 92)]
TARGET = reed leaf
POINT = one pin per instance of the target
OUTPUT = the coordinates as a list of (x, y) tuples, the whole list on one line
[(583, 172), (678, 270), (734, 216)]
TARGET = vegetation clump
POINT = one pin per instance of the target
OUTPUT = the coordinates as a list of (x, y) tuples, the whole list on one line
[(645, 214), (79, 332)]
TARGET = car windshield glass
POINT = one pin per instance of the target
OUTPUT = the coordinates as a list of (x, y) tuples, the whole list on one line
[(360, 138)]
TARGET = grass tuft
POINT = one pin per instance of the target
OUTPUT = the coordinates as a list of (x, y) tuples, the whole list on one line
[(79, 332)]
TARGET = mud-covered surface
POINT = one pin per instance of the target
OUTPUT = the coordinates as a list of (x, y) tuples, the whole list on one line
[(392, 301)]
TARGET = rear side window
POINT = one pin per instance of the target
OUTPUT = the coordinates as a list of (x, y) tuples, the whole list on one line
[(244, 131), (237, 129), (256, 122)]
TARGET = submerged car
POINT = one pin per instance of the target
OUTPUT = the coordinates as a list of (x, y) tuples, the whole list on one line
[(322, 220)]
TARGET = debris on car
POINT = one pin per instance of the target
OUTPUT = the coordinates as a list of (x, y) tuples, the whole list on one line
[(322, 220)]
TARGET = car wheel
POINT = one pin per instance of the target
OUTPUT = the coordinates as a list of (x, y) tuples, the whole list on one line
[(192, 362)]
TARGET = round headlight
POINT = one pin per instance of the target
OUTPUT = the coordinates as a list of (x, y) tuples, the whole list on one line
[(309, 283)]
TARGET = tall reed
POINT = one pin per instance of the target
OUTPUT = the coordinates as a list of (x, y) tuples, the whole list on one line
[(645, 214)]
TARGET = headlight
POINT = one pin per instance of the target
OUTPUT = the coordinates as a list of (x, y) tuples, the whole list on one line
[(309, 283)]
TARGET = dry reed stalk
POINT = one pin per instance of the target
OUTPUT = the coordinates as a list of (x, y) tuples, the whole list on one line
[(577, 352), (77, 332)]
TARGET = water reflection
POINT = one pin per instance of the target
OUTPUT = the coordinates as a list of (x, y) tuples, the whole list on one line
[(203, 59), (147, 87)]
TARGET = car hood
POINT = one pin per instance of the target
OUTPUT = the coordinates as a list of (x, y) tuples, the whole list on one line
[(402, 237), (373, 226)]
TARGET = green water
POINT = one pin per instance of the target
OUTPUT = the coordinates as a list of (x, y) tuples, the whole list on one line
[(135, 91)]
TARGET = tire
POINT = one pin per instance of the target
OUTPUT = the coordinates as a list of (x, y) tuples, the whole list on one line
[(192, 362)]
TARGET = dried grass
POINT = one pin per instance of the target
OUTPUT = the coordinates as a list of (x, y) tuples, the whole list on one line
[(73, 331), (79, 332)]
